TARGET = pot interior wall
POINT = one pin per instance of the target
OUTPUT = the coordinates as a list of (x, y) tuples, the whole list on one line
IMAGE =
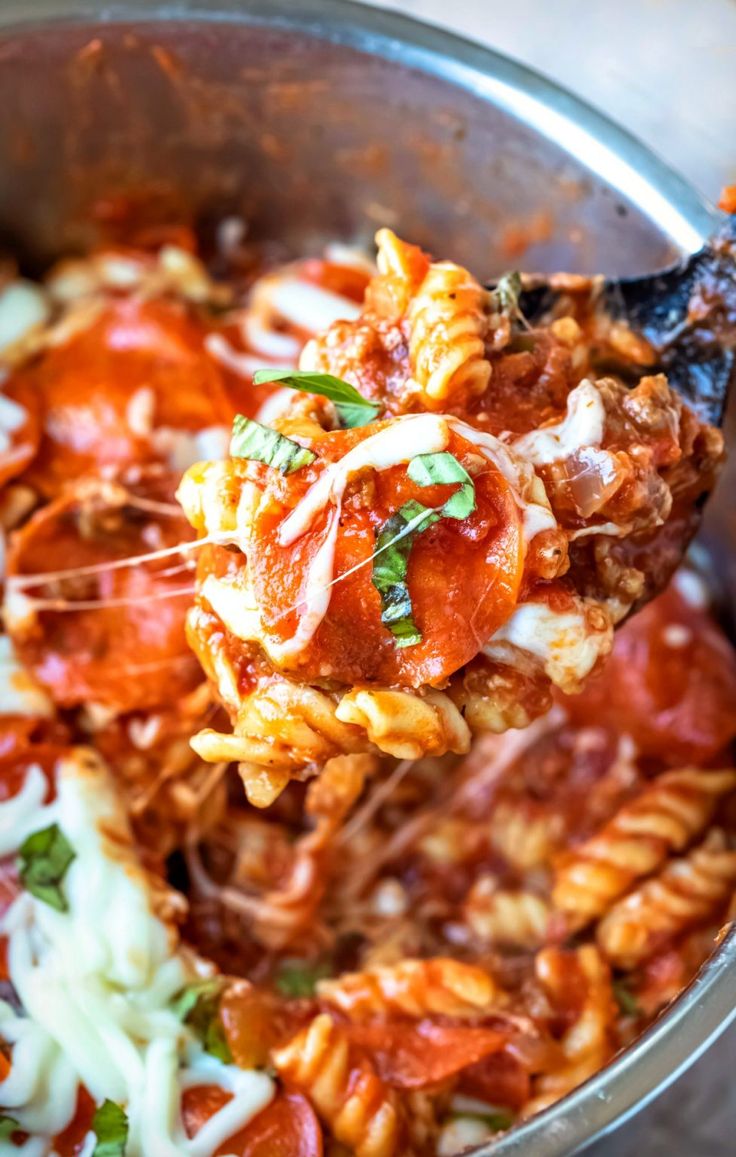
[(302, 137)]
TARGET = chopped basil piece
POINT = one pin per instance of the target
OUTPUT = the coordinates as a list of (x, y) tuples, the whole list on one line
[(497, 1122), (42, 864), (110, 1127), (390, 565), (395, 539), (8, 1126), (298, 978), (506, 294), (352, 408), (198, 1005), (262, 444), (627, 1002), (443, 470)]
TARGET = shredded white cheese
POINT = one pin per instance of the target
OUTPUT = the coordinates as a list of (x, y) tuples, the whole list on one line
[(583, 425), (277, 347), (394, 444), (308, 306), (96, 984), (529, 492), (23, 308)]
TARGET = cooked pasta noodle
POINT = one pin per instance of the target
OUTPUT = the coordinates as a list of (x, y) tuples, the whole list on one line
[(688, 891), (361, 1112), (414, 988), (665, 817)]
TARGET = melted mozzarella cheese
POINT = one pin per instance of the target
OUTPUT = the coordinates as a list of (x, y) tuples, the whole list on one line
[(309, 306), (23, 308), (240, 363), (403, 440), (19, 694), (563, 642), (275, 346), (12, 418), (394, 444), (96, 984), (528, 489), (583, 425)]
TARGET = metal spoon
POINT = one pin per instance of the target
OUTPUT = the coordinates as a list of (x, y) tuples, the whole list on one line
[(687, 313)]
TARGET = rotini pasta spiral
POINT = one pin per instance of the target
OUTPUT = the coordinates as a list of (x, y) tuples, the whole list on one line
[(344, 1088), (525, 833), (688, 891), (415, 988), (448, 322), (671, 811), (404, 723), (589, 1043), (505, 917)]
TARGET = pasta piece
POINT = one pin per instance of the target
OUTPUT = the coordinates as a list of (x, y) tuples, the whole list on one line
[(504, 917), (406, 724), (415, 988), (343, 1087), (493, 697), (525, 832), (402, 268), (448, 320), (447, 315), (668, 814), (589, 1043), (282, 725), (688, 891), (279, 726)]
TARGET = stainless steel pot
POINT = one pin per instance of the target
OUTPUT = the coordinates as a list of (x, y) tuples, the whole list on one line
[(320, 119)]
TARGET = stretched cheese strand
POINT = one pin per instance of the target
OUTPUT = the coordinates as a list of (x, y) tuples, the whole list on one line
[(583, 425), (96, 984)]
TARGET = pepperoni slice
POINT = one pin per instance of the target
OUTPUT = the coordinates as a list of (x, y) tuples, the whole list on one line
[(71, 1142), (463, 576), (139, 366), (115, 635), (670, 684), (413, 1056), (287, 1127)]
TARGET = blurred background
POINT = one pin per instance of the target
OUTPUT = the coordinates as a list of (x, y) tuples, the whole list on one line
[(666, 70)]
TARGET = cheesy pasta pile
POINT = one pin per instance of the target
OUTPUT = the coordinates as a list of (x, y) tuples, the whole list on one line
[(355, 539)]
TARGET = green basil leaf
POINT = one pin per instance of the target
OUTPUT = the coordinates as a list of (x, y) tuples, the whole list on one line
[(394, 540), (8, 1126), (262, 444), (42, 864), (298, 978), (442, 470), (506, 294), (198, 1005), (625, 999), (110, 1127), (352, 408)]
